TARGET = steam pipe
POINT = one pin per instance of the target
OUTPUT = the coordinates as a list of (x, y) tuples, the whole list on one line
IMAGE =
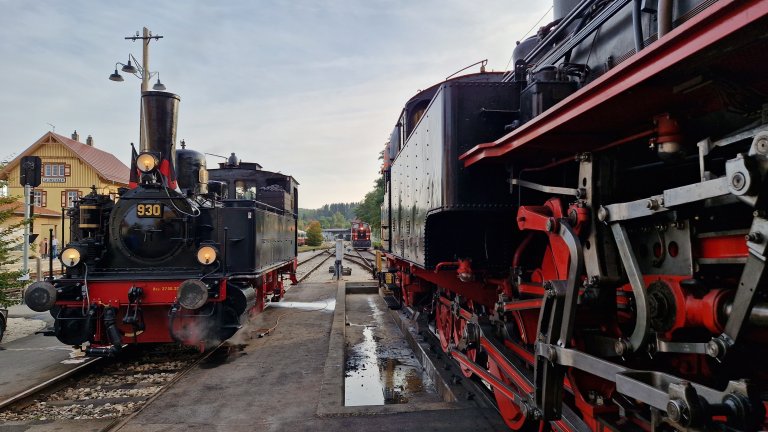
[(665, 18), (637, 25), (440, 265)]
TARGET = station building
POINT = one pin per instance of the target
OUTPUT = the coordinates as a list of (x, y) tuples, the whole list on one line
[(70, 169)]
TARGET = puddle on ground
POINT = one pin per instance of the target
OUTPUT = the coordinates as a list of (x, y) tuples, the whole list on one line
[(382, 370)]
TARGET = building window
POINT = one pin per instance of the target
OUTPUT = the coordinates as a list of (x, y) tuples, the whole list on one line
[(55, 170), (40, 198), (71, 198)]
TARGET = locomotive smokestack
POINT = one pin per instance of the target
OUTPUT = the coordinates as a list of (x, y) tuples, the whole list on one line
[(160, 120)]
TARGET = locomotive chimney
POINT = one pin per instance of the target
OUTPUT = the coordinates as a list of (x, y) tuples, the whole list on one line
[(160, 120)]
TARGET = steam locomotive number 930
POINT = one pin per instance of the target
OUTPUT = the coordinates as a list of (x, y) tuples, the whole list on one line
[(154, 210)]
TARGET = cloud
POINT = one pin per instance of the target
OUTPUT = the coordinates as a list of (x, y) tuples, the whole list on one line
[(308, 88)]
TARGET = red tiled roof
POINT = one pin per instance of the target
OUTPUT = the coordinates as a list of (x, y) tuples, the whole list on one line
[(106, 164), (18, 208)]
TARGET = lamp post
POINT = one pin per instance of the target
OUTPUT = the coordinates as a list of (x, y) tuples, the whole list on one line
[(141, 71)]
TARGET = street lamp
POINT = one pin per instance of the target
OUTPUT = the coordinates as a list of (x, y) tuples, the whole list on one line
[(141, 71), (137, 71), (158, 85)]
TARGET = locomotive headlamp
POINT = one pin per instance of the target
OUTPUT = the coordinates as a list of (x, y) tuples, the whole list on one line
[(146, 162), (70, 257), (206, 255)]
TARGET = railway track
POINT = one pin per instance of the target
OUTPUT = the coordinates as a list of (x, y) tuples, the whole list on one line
[(325, 255), (358, 258), (102, 388), (105, 388)]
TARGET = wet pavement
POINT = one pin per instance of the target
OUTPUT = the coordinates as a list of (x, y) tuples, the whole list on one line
[(293, 379), (380, 367)]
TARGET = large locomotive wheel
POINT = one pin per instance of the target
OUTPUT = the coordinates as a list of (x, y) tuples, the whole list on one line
[(444, 325), (512, 414)]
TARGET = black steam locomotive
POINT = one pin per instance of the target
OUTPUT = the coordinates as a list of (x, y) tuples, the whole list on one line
[(588, 232), (185, 254)]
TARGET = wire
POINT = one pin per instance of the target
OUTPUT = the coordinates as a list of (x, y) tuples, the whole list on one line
[(218, 266), (264, 331), (526, 34), (194, 208), (86, 295)]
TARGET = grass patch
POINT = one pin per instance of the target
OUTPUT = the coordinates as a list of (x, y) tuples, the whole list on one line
[(306, 248)]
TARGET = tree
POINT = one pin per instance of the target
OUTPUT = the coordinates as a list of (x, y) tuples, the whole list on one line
[(369, 209), (314, 234), (325, 222), (9, 279), (339, 221), (9, 282)]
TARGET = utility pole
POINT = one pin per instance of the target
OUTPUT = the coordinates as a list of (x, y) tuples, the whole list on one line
[(25, 248), (145, 38), (29, 177)]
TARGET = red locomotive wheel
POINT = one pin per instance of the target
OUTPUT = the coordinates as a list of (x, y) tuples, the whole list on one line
[(510, 412), (444, 323)]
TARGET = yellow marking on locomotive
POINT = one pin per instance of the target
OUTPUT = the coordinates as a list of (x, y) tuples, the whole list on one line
[(165, 288), (149, 210)]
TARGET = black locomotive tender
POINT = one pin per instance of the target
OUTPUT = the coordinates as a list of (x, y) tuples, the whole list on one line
[(183, 255)]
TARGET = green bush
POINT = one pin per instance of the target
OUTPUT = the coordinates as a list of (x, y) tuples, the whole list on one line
[(314, 234)]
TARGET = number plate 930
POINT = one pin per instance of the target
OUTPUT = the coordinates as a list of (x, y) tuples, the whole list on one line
[(153, 210)]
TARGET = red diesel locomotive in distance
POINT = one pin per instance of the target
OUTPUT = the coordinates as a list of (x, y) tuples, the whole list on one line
[(588, 232), (185, 254), (360, 234)]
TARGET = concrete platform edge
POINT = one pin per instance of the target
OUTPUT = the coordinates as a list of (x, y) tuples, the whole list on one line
[(332, 391)]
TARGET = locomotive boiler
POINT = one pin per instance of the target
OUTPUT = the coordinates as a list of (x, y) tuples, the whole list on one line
[(185, 254), (587, 232)]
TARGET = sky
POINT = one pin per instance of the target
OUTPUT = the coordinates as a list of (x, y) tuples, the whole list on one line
[(307, 88)]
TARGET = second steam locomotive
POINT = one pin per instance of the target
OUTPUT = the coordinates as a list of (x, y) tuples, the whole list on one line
[(588, 233), (184, 255)]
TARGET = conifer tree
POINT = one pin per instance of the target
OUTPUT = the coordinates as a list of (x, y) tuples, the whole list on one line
[(9, 283)]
